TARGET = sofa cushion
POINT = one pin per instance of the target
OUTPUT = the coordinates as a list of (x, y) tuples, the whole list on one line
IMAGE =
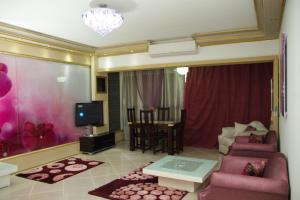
[(255, 168)]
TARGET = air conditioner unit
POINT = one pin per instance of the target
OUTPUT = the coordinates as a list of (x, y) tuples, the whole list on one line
[(172, 49)]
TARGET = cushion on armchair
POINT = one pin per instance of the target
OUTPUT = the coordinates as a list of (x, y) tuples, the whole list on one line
[(255, 168)]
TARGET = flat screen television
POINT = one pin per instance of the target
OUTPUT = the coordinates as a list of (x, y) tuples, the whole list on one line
[(89, 114)]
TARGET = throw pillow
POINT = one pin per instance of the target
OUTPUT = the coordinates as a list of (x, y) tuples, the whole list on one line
[(258, 125), (228, 131), (239, 128), (255, 168), (259, 139), (250, 128)]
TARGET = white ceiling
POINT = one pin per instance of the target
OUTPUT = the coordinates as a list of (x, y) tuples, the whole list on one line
[(150, 20)]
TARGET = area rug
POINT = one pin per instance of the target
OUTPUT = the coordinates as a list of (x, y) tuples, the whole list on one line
[(57, 171), (135, 186)]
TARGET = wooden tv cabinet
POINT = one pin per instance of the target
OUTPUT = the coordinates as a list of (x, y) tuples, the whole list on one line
[(95, 143)]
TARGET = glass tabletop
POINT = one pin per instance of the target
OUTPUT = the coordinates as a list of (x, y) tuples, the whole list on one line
[(173, 166)]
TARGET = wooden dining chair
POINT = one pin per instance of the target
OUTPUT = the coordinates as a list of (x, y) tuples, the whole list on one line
[(163, 114), (131, 117), (150, 138)]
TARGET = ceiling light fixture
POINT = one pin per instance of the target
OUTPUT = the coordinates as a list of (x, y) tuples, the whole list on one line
[(102, 19)]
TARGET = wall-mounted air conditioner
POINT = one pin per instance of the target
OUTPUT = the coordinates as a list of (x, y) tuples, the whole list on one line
[(173, 48)]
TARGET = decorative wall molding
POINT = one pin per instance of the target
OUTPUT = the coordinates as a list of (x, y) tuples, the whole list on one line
[(22, 42), (268, 14), (123, 49), (39, 157)]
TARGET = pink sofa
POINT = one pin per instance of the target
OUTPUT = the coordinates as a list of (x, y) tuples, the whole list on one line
[(242, 147), (229, 184)]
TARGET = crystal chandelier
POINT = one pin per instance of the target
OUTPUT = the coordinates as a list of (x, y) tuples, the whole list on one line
[(103, 20)]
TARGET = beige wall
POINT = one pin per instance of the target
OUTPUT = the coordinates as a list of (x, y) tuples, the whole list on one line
[(207, 54), (289, 129)]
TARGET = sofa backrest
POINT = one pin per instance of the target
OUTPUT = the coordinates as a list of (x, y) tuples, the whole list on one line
[(276, 167)]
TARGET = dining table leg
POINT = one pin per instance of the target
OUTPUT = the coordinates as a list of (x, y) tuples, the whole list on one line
[(132, 138), (170, 142)]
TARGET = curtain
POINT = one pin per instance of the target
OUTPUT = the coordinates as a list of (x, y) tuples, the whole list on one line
[(129, 98), (172, 93), (216, 97), (149, 84)]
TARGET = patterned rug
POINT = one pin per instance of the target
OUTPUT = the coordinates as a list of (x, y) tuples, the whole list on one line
[(57, 171), (135, 186)]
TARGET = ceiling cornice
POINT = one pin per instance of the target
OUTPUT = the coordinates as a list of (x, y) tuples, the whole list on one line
[(137, 47), (269, 15), (34, 38)]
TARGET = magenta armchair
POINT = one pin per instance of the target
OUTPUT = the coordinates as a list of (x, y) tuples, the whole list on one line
[(242, 147), (229, 184)]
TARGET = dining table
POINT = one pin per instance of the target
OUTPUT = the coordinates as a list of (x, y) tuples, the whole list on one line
[(172, 128)]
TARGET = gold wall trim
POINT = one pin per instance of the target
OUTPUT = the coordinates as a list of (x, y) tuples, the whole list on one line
[(138, 47), (202, 63), (269, 15), (43, 156), (38, 151), (99, 96), (238, 37), (38, 38), (23, 49)]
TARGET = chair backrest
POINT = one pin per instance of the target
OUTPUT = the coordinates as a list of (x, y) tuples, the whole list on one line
[(163, 114), (131, 115), (147, 117)]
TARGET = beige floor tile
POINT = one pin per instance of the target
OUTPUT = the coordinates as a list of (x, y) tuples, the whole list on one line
[(118, 161)]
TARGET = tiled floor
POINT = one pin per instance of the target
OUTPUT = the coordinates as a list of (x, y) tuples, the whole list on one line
[(118, 162)]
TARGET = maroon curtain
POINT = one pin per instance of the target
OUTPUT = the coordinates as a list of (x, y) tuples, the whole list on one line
[(149, 85), (216, 97)]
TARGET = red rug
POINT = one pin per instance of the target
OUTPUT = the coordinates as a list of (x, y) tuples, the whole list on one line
[(135, 186), (57, 171)]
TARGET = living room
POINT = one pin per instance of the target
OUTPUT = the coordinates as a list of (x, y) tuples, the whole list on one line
[(48, 69)]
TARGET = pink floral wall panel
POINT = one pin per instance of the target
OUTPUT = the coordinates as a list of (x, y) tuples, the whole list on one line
[(37, 101)]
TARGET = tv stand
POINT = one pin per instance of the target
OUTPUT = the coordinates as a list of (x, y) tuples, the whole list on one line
[(94, 143)]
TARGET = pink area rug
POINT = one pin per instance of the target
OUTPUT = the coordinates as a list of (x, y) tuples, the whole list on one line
[(137, 186), (57, 171)]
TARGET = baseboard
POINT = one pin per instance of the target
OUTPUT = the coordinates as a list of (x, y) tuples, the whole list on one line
[(119, 136), (43, 156)]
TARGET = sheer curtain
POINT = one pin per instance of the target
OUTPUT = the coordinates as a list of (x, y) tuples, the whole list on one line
[(150, 89), (129, 98), (149, 86), (172, 92)]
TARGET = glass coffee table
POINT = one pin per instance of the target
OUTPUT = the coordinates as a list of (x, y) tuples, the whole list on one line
[(179, 172)]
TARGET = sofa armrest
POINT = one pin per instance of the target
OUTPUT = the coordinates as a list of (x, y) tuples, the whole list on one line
[(249, 183), (254, 147), (242, 139)]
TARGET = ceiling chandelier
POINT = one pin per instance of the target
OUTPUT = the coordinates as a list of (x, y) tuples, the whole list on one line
[(102, 19)]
